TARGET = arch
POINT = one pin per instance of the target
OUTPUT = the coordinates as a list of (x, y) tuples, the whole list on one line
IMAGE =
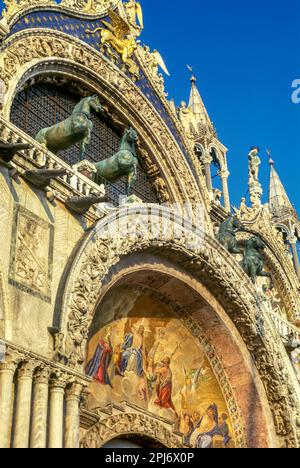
[(26, 54), (211, 267), (123, 425)]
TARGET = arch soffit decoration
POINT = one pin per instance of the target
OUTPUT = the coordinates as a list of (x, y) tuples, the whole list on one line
[(216, 270), (34, 48)]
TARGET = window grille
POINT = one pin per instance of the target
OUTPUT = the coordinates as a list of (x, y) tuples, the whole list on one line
[(44, 105)]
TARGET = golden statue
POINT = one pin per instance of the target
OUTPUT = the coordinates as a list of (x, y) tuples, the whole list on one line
[(118, 35), (134, 14)]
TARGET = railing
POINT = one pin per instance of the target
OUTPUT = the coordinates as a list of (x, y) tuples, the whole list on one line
[(38, 156), (287, 331)]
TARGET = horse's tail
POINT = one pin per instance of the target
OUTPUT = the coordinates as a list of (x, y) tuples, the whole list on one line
[(93, 32)]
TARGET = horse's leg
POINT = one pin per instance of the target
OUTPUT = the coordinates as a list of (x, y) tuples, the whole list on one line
[(84, 144), (264, 274), (42, 139), (130, 181)]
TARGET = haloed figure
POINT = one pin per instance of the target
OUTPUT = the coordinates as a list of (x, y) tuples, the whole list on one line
[(98, 366)]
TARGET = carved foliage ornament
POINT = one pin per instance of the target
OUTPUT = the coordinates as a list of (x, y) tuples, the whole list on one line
[(90, 7)]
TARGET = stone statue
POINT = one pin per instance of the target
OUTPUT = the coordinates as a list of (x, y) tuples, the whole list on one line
[(124, 163), (254, 164), (77, 128), (227, 234), (254, 261)]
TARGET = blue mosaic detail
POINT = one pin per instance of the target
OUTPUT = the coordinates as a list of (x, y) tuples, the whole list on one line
[(77, 27)]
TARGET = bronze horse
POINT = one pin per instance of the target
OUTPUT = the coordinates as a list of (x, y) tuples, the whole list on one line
[(253, 263), (227, 235), (123, 163), (77, 128)]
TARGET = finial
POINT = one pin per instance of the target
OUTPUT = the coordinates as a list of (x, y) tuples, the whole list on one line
[(269, 153), (193, 79)]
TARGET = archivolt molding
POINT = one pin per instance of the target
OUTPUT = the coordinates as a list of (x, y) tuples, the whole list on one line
[(5, 318), (28, 49), (215, 269), (130, 424)]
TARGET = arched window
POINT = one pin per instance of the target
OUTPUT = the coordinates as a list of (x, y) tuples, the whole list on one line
[(43, 105)]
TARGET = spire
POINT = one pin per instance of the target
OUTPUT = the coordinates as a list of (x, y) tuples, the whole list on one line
[(279, 201), (196, 104)]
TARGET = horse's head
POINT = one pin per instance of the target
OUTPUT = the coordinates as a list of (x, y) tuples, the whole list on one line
[(256, 243), (131, 135), (95, 103)]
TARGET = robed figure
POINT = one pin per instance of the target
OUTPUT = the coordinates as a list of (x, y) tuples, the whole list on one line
[(132, 352), (164, 385), (98, 366)]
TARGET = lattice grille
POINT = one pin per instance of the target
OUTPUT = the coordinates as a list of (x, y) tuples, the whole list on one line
[(44, 105)]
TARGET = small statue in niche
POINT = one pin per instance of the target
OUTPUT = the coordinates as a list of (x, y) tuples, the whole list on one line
[(123, 163), (77, 128)]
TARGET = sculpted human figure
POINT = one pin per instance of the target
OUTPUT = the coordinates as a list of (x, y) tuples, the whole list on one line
[(254, 164)]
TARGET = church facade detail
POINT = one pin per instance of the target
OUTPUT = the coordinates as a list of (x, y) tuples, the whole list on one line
[(137, 306)]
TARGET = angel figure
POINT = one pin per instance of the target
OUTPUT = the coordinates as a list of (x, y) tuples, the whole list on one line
[(134, 14), (118, 35), (154, 60)]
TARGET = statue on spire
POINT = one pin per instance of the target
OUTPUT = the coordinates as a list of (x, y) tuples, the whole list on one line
[(254, 164), (255, 187)]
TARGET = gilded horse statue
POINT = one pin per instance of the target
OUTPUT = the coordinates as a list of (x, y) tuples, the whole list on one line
[(227, 235), (76, 129), (254, 262), (123, 163)]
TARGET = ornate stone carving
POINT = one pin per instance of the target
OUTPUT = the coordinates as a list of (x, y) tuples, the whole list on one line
[(126, 424), (231, 287), (38, 45), (31, 255)]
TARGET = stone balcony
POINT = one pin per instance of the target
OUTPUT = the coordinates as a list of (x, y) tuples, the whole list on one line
[(73, 184)]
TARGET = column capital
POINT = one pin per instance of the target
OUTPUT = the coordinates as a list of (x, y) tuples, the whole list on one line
[(25, 371), (207, 158), (42, 375), (58, 381), (224, 173), (292, 239), (74, 390), (10, 362)]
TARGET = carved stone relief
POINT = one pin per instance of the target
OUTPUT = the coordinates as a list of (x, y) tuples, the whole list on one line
[(31, 254)]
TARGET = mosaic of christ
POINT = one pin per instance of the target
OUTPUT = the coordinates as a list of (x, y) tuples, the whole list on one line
[(144, 356)]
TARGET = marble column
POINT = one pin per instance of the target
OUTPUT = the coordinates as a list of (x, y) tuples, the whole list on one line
[(224, 174), (293, 242), (207, 160), (23, 406), (56, 417), (72, 423), (7, 372), (40, 409)]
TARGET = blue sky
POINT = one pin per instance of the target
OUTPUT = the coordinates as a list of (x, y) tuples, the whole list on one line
[(245, 55)]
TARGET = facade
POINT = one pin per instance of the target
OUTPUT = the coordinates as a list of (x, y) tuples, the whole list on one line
[(160, 320)]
